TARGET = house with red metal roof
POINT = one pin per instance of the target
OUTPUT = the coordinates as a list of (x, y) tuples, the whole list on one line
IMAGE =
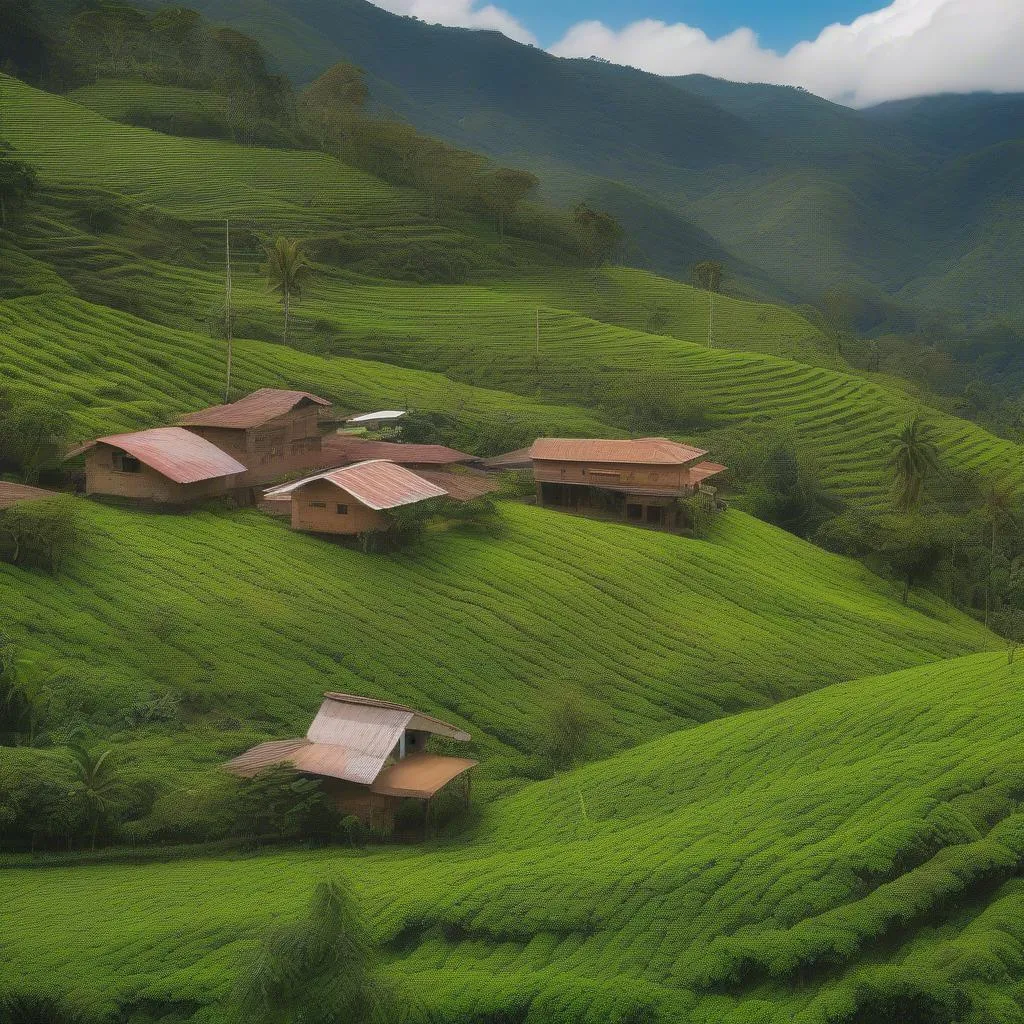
[(636, 480), (353, 499), (164, 465), (370, 754), (273, 432)]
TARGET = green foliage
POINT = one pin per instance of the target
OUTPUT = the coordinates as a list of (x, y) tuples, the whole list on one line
[(42, 534), (566, 727), (280, 804), (317, 969), (914, 459), (707, 275), (18, 180), (33, 433), (287, 272)]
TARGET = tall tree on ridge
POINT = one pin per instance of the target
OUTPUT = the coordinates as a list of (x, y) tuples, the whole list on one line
[(1000, 505), (708, 275), (914, 457), (286, 271)]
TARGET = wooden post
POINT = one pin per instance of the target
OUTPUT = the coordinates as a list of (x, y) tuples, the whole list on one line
[(227, 304)]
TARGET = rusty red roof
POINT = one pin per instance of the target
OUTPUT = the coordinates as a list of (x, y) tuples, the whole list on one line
[(461, 486), (705, 469), (11, 493), (176, 453), (646, 451), (519, 459), (376, 484), (253, 410), (357, 449)]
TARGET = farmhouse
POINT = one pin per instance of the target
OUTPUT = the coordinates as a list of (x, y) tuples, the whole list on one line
[(271, 431), (637, 480), (164, 465), (353, 499), (372, 754)]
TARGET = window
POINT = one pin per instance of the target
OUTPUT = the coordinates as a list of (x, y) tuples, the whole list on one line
[(318, 504), (634, 511), (125, 463), (655, 514), (342, 510)]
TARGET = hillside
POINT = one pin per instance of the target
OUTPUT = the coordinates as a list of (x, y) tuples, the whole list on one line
[(796, 193), (153, 250), (847, 856), (551, 601)]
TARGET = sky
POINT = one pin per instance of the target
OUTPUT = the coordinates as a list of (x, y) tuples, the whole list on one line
[(852, 51)]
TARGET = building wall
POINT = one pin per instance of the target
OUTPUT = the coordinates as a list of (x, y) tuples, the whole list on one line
[(615, 474), (286, 444), (372, 809), (147, 484), (307, 516)]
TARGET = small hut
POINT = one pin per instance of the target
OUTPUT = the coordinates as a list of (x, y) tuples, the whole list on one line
[(353, 499), (164, 465), (271, 431), (371, 755)]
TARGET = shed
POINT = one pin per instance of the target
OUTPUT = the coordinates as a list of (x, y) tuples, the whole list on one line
[(353, 499), (272, 431), (12, 493), (164, 465), (345, 449), (371, 753)]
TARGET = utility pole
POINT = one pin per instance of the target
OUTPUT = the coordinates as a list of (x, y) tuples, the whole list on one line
[(536, 348), (711, 313), (227, 305)]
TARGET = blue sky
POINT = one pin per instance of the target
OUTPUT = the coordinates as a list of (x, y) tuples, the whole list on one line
[(778, 24)]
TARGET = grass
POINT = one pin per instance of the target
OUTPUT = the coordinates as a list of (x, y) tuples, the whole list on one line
[(845, 856), (658, 631)]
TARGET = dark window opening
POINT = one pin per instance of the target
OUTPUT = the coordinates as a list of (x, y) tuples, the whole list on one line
[(124, 463), (634, 511), (342, 510), (655, 514), (318, 504)]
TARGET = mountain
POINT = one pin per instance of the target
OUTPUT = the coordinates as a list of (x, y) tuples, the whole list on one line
[(796, 194)]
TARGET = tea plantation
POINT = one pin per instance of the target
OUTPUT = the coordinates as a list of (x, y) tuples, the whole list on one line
[(247, 623), (848, 855)]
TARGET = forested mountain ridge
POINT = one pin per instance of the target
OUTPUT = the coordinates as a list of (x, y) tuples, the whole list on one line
[(805, 193)]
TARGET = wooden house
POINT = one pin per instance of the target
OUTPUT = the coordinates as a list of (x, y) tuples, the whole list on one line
[(353, 499), (164, 466), (273, 432), (635, 480), (371, 754)]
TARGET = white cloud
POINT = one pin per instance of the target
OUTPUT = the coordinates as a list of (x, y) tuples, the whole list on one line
[(910, 48), (462, 14)]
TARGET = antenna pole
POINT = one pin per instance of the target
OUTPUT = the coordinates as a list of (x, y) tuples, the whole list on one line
[(227, 305), (711, 313), (537, 336)]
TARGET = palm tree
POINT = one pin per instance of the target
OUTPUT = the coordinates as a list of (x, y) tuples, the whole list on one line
[(1000, 505), (286, 270), (914, 456), (97, 782)]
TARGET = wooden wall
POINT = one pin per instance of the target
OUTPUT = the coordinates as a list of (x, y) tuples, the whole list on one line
[(604, 474), (358, 519), (147, 484)]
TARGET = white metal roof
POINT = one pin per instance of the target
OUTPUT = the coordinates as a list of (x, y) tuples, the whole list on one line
[(384, 414)]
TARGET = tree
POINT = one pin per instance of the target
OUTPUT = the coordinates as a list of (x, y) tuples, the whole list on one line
[(33, 434), (598, 233), (914, 457), (566, 729), (286, 271), (18, 180), (318, 970), (96, 783), (504, 190), (332, 102), (1000, 502), (708, 275)]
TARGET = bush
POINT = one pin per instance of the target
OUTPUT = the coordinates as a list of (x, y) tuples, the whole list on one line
[(280, 803), (40, 534)]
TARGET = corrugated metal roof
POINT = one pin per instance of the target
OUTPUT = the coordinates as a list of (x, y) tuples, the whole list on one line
[(420, 775), (645, 451), (377, 484), (359, 449), (382, 415), (11, 494), (426, 723), (704, 470), (366, 733), (251, 411), (461, 486), (519, 459), (264, 755), (176, 453)]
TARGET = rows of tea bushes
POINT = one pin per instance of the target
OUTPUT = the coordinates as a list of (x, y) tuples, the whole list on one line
[(846, 856), (239, 625)]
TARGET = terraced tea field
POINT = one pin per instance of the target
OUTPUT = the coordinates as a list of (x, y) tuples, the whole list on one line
[(658, 631), (753, 869)]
